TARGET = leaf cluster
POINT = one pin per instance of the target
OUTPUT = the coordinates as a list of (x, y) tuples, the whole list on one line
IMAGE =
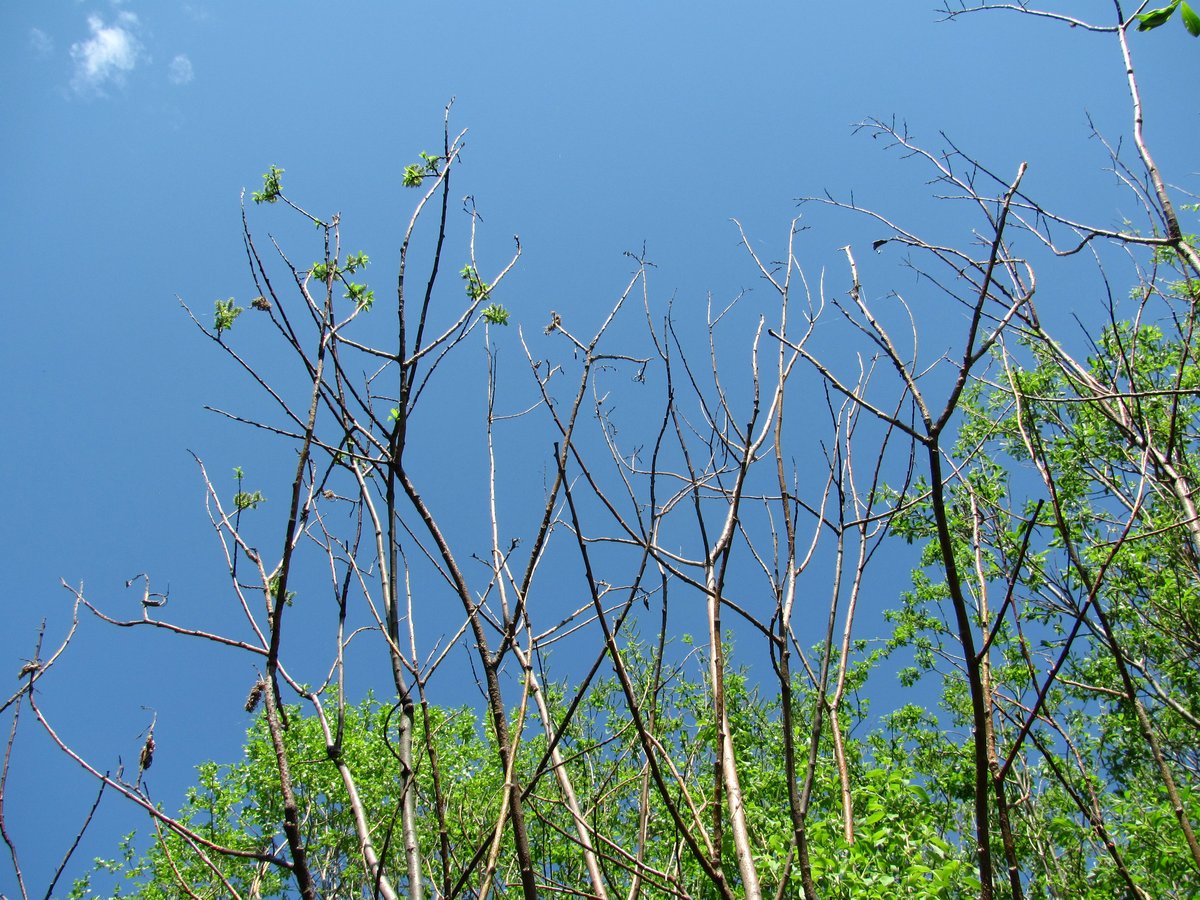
[(226, 313), (271, 186), (1154, 18), (330, 270)]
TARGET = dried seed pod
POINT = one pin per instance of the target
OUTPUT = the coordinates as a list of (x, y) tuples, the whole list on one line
[(256, 693)]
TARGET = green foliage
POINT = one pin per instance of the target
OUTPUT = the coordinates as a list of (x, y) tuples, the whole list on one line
[(243, 500), (1186, 286), (362, 296), (897, 848), (476, 288), (905, 843), (226, 312), (1067, 502), (415, 174), (495, 314), (1153, 18), (1191, 21), (330, 270), (274, 588), (238, 806), (271, 186), (248, 499)]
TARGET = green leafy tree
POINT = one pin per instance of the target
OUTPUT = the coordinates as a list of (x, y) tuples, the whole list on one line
[(902, 845), (1072, 503)]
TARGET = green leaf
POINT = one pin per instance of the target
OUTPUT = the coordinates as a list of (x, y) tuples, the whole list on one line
[(274, 587), (1155, 17), (496, 314), (477, 288), (415, 174), (248, 500), (362, 296), (412, 176), (225, 314), (1191, 21), (271, 186)]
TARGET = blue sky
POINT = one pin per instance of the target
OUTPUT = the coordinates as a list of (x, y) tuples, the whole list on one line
[(131, 128)]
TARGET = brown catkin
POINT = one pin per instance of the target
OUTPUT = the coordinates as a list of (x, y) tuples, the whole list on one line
[(255, 695)]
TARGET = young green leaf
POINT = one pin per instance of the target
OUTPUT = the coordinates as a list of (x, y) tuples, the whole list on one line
[(415, 174), (1191, 21), (412, 176), (356, 261), (225, 313), (362, 296), (271, 186), (1155, 17), (496, 314), (248, 500), (477, 288)]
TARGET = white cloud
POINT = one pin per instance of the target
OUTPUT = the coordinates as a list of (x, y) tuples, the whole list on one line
[(180, 71), (40, 42), (108, 55), (197, 12)]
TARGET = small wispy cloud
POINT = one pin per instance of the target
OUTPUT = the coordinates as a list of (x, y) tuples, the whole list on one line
[(180, 70), (198, 12), (108, 55), (40, 42)]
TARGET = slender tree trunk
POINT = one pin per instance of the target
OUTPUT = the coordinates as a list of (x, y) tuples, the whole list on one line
[(979, 714), (291, 813)]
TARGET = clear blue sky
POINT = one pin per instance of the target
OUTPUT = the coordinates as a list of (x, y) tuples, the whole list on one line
[(131, 127)]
